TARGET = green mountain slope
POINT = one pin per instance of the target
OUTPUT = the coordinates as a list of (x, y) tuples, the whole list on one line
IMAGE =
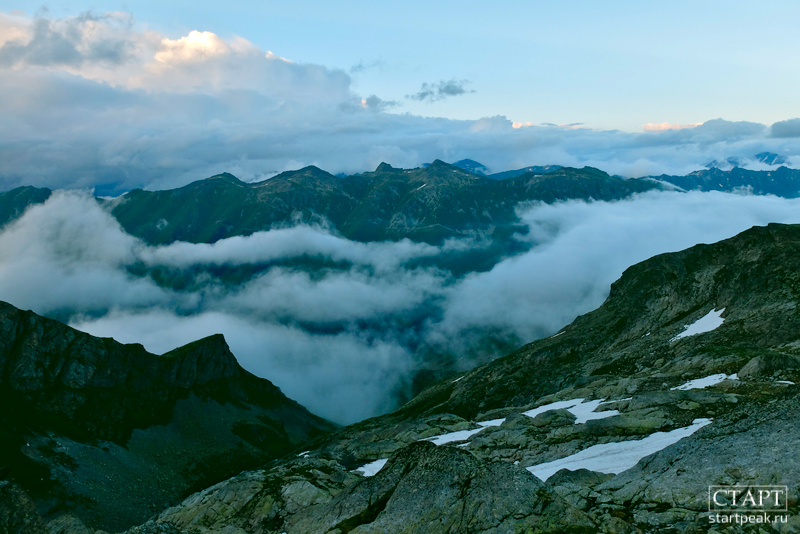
[(427, 204), (111, 433), (14, 203)]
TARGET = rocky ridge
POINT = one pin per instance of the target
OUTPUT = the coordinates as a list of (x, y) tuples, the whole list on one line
[(113, 433)]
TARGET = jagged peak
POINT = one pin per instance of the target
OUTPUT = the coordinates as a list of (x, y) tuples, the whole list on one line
[(214, 340), (384, 167)]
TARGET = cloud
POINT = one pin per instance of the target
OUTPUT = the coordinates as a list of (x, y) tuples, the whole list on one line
[(433, 92), (197, 46), (69, 42), (581, 248), (787, 129), (662, 126), (363, 66), (342, 326), (374, 103), (102, 101)]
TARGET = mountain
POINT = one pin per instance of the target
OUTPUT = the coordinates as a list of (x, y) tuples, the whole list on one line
[(223, 206), (770, 158), (783, 181), (470, 165), (110, 433), (535, 169), (684, 378), (13, 203), (427, 204)]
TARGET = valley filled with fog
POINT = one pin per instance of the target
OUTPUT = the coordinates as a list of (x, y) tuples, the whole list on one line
[(350, 329)]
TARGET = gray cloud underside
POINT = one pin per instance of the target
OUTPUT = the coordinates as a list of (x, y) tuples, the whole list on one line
[(62, 43), (338, 340), (433, 92), (786, 129), (63, 131)]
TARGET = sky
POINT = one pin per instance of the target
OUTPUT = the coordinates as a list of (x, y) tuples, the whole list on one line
[(113, 95)]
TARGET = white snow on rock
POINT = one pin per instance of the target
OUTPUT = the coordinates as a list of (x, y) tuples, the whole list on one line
[(463, 435), (558, 405), (616, 457), (583, 411), (372, 468), (710, 321), (708, 381), (787, 382)]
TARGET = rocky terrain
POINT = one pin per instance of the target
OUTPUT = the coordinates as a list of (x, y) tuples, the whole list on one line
[(684, 378), (111, 433)]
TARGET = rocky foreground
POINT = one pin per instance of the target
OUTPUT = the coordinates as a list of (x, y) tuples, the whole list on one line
[(684, 378)]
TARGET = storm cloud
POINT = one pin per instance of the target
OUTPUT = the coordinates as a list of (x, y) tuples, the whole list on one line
[(342, 334)]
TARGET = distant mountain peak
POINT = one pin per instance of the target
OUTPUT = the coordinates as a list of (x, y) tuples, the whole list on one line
[(470, 165), (384, 167), (770, 158)]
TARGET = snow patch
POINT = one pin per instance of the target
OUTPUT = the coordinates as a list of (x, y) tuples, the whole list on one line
[(708, 381), (583, 411), (372, 468), (787, 382), (462, 435), (616, 457), (710, 321), (558, 405), (586, 411)]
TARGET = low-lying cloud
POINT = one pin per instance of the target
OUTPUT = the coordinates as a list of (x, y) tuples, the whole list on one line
[(338, 325)]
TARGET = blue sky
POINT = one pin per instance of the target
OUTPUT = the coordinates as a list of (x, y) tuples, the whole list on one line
[(432, 74), (609, 65)]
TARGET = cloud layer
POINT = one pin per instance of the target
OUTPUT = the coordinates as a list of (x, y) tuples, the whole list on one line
[(338, 325), (102, 101)]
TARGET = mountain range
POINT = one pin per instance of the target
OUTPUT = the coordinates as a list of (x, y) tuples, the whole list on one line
[(427, 204)]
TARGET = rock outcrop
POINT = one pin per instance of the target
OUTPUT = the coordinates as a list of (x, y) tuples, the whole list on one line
[(113, 433)]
